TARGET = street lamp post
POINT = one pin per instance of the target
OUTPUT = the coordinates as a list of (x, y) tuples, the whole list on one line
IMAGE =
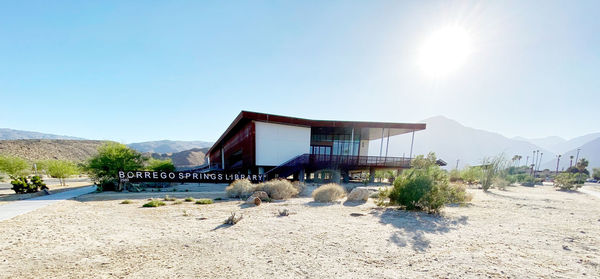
[(557, 161)]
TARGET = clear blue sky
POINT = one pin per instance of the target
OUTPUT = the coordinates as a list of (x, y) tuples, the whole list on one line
[(148, 70)]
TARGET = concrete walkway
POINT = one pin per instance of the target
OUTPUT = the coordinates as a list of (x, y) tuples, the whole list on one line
[(590, 192), (17, 208)]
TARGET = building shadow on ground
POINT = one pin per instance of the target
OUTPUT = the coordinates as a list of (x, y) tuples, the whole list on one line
[(414, 226)]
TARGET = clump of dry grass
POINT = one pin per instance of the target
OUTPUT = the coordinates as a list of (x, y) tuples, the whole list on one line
[(233, 219), (167, 198), (328, 193), (189, 199), (126, 202), (154, 203), (204, 201), (278, 189), (178, 202), (240, 188)]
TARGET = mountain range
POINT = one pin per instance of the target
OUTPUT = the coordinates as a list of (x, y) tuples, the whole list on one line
[(450, 140)]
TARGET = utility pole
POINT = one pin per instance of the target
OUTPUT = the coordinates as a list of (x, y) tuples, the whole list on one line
[(457, 160), (557, 161), (577, 158), (540, 161)]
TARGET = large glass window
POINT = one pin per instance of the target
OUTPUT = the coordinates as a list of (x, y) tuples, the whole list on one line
[(338, 141)]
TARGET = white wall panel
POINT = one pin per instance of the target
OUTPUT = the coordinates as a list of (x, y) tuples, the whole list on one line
[(276, 143)]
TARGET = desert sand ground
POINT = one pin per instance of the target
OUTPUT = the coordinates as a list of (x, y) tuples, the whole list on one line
[(519, 233)]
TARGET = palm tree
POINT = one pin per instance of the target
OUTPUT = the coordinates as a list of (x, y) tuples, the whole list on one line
[(571, 163)]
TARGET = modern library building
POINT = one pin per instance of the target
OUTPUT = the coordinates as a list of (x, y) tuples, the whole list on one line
[(304, 149)]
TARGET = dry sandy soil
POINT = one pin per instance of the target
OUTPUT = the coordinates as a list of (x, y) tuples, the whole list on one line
[(519, 233)]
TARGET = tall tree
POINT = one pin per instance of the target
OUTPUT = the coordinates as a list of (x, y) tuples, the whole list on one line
[(112, 157), (14, 167)]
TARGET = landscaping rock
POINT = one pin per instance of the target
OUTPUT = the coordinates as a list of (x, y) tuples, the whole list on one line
[(359, 194), (261, 195), (253, 200)]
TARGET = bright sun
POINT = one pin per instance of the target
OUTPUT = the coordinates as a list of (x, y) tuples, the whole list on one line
[(445, 51)]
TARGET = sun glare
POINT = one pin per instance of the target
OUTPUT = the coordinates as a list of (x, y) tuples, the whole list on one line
[(445, 51)]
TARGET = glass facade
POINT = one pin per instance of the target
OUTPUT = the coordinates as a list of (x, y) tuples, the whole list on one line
[(335, 141)]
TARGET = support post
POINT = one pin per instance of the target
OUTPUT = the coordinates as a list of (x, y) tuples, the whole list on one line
[(412, 141), (381, 145)]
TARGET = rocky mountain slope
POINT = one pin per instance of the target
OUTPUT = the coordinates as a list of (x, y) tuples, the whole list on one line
[(168, 146), (187, 158), (43, 149)]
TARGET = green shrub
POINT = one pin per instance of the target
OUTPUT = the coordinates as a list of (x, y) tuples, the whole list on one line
[(112, 157), (528, 181), (189, 199), (38, 183), (126, 202), (160, 165), (178, 202), (204, 201), (328, 193), (501, 183), (167, 198), (424, 187), (567, 181), (241, 188), (278, 189), (154, 203), (21, 185)]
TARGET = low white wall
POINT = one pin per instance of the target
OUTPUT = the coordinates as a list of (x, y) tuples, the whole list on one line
[(276, 143)]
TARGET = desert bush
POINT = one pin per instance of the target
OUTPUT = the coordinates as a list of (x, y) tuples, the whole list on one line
[(471, 175), (204, 201), (112, 157), (60, 169), (492, 168), (14, 167), (284, 212), (21, 185), (528, 181), (178, 202), (189, 199), (455, 176), (501, 183), (126, 202), (300, 186), (241, 188), (154, 203), (167, 198), (278, 189), (424, 187), (328, 193), (567, 181), (160, 165)]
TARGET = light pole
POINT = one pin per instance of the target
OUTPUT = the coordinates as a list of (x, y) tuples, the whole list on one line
[(577, 157), (557, 161), (540, 161)]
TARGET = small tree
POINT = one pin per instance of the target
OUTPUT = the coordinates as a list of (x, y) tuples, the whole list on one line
[(112, 157), (60, 169), (160, 165), (470, 175), (596, 173), (567, 181), (14, 167)]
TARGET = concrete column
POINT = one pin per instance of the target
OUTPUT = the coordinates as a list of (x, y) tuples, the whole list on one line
[(345, 176), (301, 175), (371, 175)]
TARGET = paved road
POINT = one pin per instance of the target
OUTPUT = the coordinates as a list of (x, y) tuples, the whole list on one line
[(16, 208)]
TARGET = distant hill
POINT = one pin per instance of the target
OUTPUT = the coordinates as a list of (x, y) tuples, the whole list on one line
[(453, 141), (168, 146), (551, 143), (10, 134), (589, 150), (43, 149), (187, 158)]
